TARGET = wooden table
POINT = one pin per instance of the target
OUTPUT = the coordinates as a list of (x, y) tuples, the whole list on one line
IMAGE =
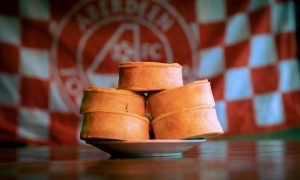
[(210, 160)]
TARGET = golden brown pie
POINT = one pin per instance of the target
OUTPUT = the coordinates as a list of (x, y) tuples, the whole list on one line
[(196, 122), (109, 99), (149, 76), (114, 126), (197, 93)]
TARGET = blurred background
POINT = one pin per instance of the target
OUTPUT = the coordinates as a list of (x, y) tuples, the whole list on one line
[(50, 50)]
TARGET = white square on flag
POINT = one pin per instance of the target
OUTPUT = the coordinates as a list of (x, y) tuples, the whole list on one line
[(238, 84), (221, 113), (289, 75), (262, 51), (35, 63), (210, 10), (268, 109), (283, 17), (36, 9), (10, 30), (9, 89), (211, 62), (33, 124), (237, 29)]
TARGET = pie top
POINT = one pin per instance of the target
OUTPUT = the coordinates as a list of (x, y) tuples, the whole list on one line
[(148, 64)]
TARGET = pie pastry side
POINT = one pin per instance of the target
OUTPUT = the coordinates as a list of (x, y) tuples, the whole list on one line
[(197, 122), (197, 93), (113, 114), (109, 99), (114, 126), (149, 76)]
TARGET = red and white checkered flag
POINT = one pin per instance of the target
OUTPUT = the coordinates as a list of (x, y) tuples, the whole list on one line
[(51, 50)]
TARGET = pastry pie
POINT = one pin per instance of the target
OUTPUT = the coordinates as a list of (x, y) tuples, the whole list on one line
[(114, 126), (197, 93), (149, 76), (109, 99), (113, 114), (177, 111), (196, 122)]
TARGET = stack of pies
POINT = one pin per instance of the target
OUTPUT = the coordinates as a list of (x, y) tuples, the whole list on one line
[(178, 111)]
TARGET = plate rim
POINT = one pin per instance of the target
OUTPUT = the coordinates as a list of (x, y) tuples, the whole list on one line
[(151, 141)]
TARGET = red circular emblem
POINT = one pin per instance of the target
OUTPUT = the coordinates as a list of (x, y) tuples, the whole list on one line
[(95, 36)]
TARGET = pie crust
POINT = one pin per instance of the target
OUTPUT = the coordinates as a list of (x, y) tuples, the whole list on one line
[(109, 99), (114, 126), (149, 76), (197, 122), (197, 93)]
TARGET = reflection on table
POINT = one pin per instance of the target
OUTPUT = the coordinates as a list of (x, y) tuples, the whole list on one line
[(210, 160)]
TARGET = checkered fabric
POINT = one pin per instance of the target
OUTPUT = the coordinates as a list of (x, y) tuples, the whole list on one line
[(249, 52), (247, 49)]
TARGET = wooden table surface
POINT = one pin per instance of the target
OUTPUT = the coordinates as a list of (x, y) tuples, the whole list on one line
[(210, 160)]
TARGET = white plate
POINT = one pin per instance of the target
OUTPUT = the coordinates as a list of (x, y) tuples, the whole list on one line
[(144, 148)]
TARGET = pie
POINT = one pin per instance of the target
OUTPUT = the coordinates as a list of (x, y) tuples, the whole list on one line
[(197, 93), (113, 114), (149, 76), (109, 99), (196, 122), (114, 126)]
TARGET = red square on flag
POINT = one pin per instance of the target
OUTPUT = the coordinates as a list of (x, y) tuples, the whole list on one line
[(217, 86), (237, 55), (241, 116), (286, 46), (291, 104), (10, 8), (59, 9), (236, 6), (9, 58), (260, 21), (35, 34), (265, 79), (34, 92), (184, 8), (212, 34), (9, 122), (63, 128)]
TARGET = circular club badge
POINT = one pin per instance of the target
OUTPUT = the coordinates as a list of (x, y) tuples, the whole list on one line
[(95, 36)]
